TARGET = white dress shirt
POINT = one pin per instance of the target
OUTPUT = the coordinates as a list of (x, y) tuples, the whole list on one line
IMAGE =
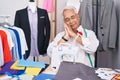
[(90, 44)]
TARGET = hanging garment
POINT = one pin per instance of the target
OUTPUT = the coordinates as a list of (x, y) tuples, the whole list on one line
[(116, 56), (1, 53), (6, 49), (22, 39), (14, 50), (86, 17), (9, 37), (107, 24), (18, 42), (48, 5)]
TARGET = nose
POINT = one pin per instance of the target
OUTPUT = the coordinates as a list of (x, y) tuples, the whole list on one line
[(71, 21)]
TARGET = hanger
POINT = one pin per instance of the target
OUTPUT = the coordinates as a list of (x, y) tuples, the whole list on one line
[(5, 23)]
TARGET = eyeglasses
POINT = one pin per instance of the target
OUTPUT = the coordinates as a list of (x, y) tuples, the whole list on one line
[(68, 19)]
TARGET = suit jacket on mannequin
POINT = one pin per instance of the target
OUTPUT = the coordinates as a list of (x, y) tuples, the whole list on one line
[(22, 21)]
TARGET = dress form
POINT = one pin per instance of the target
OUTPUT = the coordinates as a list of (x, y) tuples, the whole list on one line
[(32, 6)]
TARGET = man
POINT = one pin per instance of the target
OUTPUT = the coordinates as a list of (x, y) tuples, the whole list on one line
[(84, 39)]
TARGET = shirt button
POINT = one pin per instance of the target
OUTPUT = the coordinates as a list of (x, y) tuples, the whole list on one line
[(101, 27), (102, 34)]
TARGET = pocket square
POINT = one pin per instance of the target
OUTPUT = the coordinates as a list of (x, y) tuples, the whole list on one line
[(42, 16)]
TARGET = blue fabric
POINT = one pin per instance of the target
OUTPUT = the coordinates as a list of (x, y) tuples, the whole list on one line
[(6, 68), (31, 63), (19, 43), (44, 77), (14, 51)]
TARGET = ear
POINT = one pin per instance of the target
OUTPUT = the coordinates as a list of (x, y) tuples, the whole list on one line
[(78, 16)]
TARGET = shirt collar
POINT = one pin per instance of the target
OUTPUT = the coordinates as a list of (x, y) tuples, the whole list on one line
[(29, 9), (80, 28)]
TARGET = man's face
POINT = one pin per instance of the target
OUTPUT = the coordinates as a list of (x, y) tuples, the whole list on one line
[(71, 18)]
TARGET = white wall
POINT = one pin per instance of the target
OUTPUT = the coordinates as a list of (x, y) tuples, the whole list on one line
[(59, 23), (9, 7), (40, 3)]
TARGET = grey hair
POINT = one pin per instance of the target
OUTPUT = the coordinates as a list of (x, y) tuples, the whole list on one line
[(69, 7)]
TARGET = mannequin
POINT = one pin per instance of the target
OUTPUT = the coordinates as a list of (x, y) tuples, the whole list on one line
[(31, 1), (32, 5), (36, 25)]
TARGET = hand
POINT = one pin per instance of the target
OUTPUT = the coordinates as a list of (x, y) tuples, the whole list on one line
[(69, 31), (67, 36)]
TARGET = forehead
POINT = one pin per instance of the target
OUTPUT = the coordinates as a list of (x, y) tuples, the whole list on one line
[(68, 12)]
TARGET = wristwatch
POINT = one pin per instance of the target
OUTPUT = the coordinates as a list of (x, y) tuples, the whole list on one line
[(64, 39)]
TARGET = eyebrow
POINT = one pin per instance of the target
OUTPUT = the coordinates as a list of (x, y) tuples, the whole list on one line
[(70, 16)]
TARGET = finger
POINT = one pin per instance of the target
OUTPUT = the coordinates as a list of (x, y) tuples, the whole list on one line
[(65, 25), (65, 30)]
